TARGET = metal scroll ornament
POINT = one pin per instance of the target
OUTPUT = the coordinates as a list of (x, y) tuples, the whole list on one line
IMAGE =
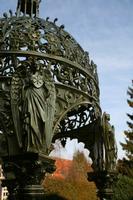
[(48, 84)]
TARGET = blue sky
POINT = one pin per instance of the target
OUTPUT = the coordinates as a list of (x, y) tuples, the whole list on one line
[(104, 29)]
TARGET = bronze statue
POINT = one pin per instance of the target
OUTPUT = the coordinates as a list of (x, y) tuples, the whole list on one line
[(33, 108), (109, 143), (37, 56)]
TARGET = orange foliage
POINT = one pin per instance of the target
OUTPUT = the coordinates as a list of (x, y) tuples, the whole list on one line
[(70, 180), (63, 166)]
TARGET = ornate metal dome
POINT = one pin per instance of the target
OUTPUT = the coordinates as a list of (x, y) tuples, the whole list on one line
[(26, 39), (48, 90)]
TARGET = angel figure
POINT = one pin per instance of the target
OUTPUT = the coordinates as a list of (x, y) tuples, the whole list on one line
[(36, 111), (109, 142)]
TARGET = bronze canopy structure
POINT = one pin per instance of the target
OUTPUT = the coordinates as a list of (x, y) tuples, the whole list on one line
[(49, 90)]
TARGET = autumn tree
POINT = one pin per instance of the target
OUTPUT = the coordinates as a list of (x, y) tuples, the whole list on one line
[(74, 185)]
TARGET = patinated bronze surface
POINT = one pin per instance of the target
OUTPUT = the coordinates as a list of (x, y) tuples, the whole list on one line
[(109, 143), (49, 90), (33, 103), (31, 49)]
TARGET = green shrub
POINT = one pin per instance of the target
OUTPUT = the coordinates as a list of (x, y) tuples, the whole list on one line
[(123, 190)]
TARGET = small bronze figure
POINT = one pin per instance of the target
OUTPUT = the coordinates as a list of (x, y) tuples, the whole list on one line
[(109, 143), (33, 108)]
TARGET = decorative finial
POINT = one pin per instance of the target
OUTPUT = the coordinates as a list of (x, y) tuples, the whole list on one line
[(28, 7)]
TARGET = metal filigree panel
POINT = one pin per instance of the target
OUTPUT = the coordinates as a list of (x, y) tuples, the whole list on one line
[(26, 41)]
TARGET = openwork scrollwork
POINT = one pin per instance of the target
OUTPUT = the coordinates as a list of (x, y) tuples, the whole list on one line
[(42, 36), (31, 50), (76, 120)]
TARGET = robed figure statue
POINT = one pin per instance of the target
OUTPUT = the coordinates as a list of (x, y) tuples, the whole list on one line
[(109, 143), (33, 107)]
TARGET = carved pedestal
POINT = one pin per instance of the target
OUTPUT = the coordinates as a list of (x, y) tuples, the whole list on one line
[(24, 173), (105, 183)]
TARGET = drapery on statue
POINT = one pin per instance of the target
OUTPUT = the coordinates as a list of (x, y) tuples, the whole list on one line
[(33, 107), (109, 143)]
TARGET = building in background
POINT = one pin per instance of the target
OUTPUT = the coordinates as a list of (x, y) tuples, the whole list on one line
[(3, 190)]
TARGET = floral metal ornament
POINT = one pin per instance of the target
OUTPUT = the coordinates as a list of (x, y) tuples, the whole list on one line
[(36, 53), (49, 90)]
